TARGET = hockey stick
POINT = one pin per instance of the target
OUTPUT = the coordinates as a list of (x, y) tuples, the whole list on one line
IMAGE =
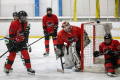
[(6, 51), (39, 39), (106, 53), (61, 70), (10, 48)]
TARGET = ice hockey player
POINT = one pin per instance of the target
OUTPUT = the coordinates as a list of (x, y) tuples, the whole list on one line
[(18, 33), (72, 36), (7, 39), (110, 48), (50, 26), (15, 16)]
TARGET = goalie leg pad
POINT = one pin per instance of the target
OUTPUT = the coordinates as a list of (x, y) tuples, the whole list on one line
[(68, 59), (74, 55)]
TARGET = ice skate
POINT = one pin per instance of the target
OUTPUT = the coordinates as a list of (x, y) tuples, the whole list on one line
[(7, 71), (46, 54), (77, 68), (5, 68), (111, 74), (30, 71)]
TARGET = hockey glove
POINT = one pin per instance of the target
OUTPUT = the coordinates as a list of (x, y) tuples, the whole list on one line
[(96, 53), (29, 47), (45, 33), (111, 53), (27, 30), (55, 28), (14, 42), (62, 54)]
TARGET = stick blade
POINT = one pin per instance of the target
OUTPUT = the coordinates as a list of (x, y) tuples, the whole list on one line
[(60, 70)]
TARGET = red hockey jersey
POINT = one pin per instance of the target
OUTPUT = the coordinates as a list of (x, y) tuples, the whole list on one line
[(15, 30), (67, 37), (48, 23), (114, 46)]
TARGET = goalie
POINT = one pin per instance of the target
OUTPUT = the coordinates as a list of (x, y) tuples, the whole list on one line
[(71, 52), (110, 48)]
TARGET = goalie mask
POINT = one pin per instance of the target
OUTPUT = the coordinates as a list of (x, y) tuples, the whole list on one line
[(66, 27), (107, 39), (22, 16)]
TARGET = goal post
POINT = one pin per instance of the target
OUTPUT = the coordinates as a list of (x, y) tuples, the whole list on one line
[(96, 32)]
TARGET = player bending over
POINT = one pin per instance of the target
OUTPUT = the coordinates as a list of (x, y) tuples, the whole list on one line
[(18, 35), (110, 48), (72, 36)]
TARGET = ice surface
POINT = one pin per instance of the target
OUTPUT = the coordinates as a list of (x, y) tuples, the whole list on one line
[(45, 67)]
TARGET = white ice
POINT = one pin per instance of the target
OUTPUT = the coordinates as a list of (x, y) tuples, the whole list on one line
[(45, 67)]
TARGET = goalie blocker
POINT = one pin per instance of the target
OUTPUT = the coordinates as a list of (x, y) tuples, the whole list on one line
[(70, 35)]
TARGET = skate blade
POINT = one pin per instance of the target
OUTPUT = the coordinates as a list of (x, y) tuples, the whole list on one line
[(112, 75), (31, 73), (9, 71), (46, 55), (7, 74), (60, 70)]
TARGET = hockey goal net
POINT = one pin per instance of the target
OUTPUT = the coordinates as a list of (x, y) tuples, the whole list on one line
[(96, 34)]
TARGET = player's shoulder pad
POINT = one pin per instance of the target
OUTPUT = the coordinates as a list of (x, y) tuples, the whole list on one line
[(60, 32), (75, 27), (45, 16), (53, 14), (14, 21), (102, 44), (115, 41)]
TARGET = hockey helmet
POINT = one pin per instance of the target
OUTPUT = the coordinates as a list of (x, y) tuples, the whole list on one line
[(49, 9), (107, 36), (15, 14), (22, 14)]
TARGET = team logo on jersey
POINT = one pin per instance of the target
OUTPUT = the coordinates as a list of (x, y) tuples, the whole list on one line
[(20, 33), (107, 48), (50, 24), (71, 39)]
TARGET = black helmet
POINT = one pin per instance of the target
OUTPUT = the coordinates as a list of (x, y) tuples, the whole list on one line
[(22, 14), (107, 36), (49, 9), (15, 14)]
